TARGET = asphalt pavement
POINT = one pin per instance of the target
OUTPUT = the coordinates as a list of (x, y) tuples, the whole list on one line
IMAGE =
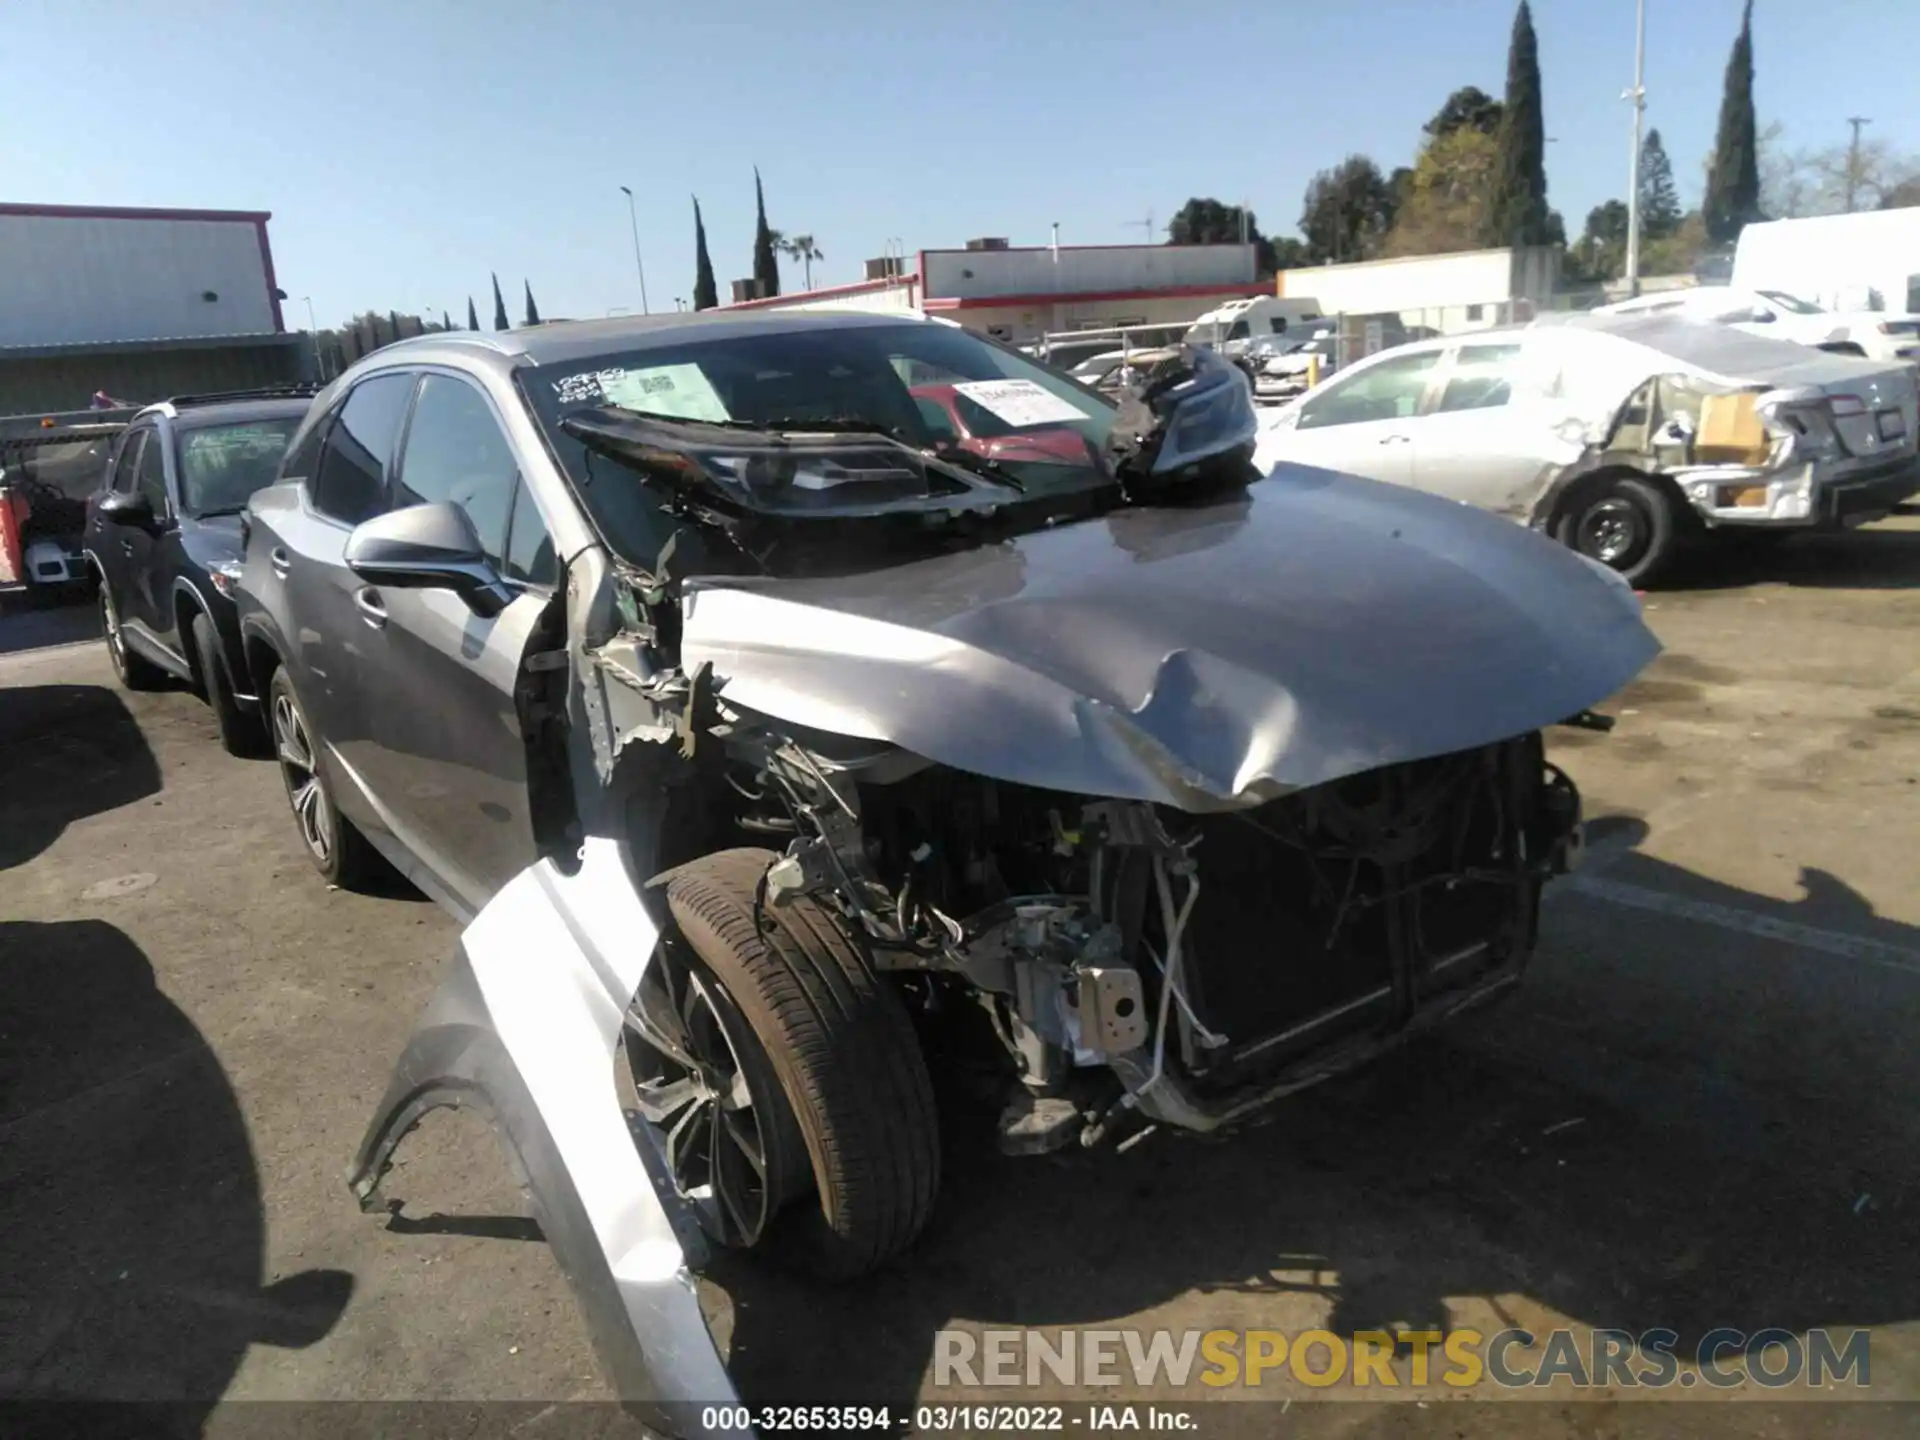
[(1698, 1112)]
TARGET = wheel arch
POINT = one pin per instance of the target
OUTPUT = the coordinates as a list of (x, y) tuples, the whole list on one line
[(187, 603), (262, 655), (1560, 501)]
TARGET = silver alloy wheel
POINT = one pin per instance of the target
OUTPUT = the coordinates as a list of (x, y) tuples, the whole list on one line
[(304, 790), (694, 1090), (110, 624)]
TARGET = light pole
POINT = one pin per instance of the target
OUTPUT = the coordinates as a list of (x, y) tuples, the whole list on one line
[(313, 340), (1853, 158), (638, 263), (1638, 95)]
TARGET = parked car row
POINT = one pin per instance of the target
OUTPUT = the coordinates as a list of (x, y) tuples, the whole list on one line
[(1622, 435), (787, 699)]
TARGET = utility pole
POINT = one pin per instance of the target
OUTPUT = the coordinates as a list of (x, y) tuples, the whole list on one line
[(1146, 227), (1638, 96), (638, 263), (1853, 158)]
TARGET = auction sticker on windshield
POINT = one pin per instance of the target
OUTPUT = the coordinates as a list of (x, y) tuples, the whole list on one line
[(1020, 402), (682, 391)]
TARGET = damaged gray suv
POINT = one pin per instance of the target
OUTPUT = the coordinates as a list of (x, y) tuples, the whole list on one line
[(775, 739)]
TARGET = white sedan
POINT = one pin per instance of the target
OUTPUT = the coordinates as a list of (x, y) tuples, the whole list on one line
[(1875, 334)]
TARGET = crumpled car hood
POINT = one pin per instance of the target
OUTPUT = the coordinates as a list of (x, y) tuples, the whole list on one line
[(1315, 625)]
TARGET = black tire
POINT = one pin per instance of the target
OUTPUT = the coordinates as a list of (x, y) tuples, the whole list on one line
[(1624, 521), (241, 731), (845, 1054), (132, 670), (338, 851)]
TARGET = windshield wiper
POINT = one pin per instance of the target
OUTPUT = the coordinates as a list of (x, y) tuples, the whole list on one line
[(985, 466)]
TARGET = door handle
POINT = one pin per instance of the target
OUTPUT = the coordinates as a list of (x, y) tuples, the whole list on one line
[(1395, 439), (372, 609), (280, 560)]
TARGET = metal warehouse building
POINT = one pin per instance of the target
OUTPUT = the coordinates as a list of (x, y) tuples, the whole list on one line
[(1019, 293), (139, 303)]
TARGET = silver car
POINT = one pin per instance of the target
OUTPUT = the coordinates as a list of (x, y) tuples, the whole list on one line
[(1621, 436), (763, 731)]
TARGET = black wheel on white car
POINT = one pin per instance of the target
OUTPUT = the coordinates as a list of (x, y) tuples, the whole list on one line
[(134, 671), (784, 1075), (338, 851), (1626, 522), (240, 730)]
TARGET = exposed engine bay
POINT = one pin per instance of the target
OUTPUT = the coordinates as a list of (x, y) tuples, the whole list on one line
[(1129, 956)]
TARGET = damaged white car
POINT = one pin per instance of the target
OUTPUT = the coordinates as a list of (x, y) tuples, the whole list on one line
[(1621, 437), (774, 742)]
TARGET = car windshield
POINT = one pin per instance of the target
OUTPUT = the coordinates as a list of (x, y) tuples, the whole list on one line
[(852, 377), (1792, 304), (222, 465)]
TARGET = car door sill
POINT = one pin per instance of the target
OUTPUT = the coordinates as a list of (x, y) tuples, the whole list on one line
[(155, 650)]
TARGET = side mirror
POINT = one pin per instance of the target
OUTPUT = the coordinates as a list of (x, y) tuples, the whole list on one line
[(1761, 315), (428, 547), (127, 508)]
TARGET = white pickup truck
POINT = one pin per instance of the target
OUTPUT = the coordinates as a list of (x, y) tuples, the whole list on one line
[(1875, 334)]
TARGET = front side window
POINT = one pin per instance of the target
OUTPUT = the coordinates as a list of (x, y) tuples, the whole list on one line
[(151, 479), (127, 465), (222, 465), (1481, 379), (350, 484), (530, 556), (1390, 390), (457, 452)]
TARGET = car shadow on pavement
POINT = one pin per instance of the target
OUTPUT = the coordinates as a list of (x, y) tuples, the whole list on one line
[(130, 1203), (66, 752), (1873, 558), (1666, 1126)]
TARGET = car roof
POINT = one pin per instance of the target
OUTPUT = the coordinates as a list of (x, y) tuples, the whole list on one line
[(562, 341), (191, 414)]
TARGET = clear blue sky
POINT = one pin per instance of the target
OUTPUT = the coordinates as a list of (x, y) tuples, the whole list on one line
[(407, 147)]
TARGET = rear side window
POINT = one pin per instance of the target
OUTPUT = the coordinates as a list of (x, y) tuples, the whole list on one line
[(1482, 378), (456, 451), (350, 485)]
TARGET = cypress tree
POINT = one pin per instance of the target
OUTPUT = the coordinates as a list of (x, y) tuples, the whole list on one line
[(533, 310), (500, 321), (1659, 200), (1733, 181), (473, 315), (1520, 181), (445, 323), (766, 269), (705, 294)]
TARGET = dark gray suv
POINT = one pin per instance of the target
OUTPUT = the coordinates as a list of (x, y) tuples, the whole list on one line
[(766, 732)]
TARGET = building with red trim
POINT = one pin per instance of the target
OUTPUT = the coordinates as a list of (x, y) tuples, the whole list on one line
[(140, 303), (1018, 293)]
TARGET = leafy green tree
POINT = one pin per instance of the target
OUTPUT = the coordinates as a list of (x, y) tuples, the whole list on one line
[(1659, 200), (1449, 198), (1520, 194), (1210, 222), (766, 266), (1347, 211), (1469, 107), (1733, 179), (706, 294)]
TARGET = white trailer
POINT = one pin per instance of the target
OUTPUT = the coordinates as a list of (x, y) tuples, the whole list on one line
[(1869, 260)]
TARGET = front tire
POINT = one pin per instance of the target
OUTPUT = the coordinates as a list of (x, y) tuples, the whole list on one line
[(844, 1089), (338, 851), (241, 731), (1626, 522)]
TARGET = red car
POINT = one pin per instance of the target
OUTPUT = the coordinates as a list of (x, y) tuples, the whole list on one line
[(978, 429)]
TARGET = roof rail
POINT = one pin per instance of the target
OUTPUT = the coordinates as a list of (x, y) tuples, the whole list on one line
[(301, 391)]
